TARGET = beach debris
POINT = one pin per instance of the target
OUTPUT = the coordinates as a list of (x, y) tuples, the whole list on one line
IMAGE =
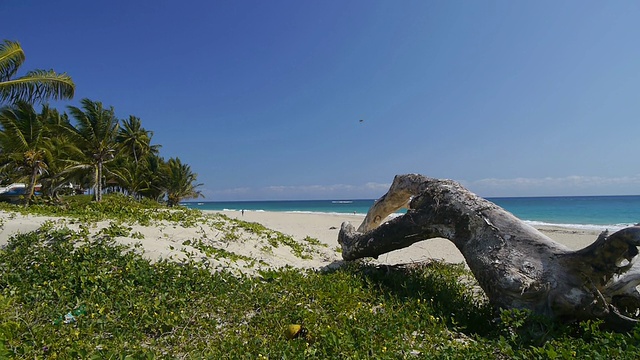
[(71, 316), (516, 265)]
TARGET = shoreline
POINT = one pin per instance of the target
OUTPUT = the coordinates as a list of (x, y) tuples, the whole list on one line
[(536, 224), (580, 212)]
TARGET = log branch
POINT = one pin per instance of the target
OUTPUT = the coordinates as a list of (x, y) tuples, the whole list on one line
[(516, 265)]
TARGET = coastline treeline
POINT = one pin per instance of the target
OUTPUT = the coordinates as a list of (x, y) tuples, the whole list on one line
[(84, 149)]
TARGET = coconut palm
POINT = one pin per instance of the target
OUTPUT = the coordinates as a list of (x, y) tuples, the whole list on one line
[(56, 126), (154, 174), (179, 182), (134, 138), (25, 146), (35, 85), (132, 178), (94, 137)]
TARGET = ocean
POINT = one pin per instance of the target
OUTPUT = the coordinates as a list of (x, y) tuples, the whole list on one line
[(588, 212)]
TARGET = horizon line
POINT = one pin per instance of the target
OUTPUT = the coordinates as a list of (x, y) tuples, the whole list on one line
[(368, 199)]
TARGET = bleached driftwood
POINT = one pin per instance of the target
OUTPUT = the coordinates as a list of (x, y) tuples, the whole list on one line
[(516, 265)]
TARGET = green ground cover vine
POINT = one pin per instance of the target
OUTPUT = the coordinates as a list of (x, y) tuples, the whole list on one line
[(115, 207), (275, 239), (65, 294)]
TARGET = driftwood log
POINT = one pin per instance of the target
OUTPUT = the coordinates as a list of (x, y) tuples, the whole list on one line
[(516, 265)]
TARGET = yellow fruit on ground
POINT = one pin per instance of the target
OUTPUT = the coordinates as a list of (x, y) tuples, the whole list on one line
[(293, 331)]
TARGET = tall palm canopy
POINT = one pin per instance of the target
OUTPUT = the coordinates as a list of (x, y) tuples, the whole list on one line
[(180, 182), (96, 150), (36, 85), (135, 139), (25, 146), (95, 138)]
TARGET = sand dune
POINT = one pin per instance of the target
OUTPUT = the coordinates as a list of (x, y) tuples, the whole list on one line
[(223, 247)]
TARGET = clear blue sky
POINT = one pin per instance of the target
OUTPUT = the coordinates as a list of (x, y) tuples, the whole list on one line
[(264, 98)]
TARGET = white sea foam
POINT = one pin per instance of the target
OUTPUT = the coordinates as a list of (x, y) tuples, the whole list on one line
[(610, 227), (322, 212), (596, 227)]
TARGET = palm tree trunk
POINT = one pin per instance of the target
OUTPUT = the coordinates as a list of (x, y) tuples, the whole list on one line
[(28, 193), (99, 182)]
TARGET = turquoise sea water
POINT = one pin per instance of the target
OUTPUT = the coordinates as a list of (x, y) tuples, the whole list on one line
[(574, 211)]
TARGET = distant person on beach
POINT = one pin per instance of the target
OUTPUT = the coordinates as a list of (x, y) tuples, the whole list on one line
[(242, 212)]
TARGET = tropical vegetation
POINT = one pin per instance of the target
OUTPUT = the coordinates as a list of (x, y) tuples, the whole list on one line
[(35, 85), (87, 148), (24, 145), (73, 293)]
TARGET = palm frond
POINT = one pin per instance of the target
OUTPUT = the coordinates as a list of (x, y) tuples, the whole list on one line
[(37, 85), (13, 139), (11, 57), (21, 125)]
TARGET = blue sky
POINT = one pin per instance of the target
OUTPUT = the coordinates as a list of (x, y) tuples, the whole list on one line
[(264, 98)]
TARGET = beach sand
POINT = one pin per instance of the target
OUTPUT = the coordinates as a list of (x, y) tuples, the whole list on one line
[(325, 227), (172, 241)]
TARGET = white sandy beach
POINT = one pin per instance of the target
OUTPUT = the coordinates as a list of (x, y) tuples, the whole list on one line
[(325, 227), (171, 241)]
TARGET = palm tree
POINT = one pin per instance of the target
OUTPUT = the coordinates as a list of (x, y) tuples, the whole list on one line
[(134, 138), (36, 85), (94, 138), (57, 127), (24, 143), (154, 174), (133, 178), (180, 182)]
